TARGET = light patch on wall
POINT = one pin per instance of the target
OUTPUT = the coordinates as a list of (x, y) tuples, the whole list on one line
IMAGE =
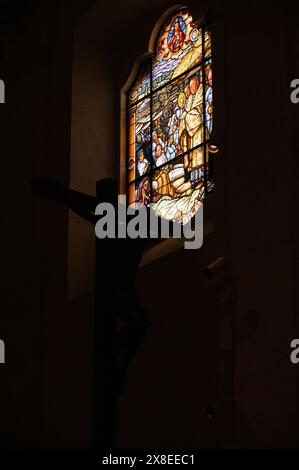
[(92, 147)]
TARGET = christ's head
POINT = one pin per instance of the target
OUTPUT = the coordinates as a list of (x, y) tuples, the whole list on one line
[(107, 190)]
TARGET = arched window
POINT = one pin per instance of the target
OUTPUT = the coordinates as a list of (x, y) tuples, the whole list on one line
[(170, 119)]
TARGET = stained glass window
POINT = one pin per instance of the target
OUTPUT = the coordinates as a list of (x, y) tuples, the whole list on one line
[(170, 120)]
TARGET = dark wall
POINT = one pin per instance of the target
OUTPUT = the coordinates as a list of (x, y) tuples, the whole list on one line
[(260, 226), (36, 65)]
